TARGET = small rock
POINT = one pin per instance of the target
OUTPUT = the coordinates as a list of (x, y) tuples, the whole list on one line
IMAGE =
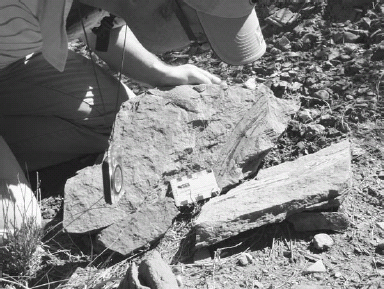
[(345, 57), (322, 242), (250, 83), (321, 94), (156, 273), (381, 175), (327, 65), (337, 274), (257, 284), (245, 259), (327, 120), (378, 54), (380, 225), (314, 130), (275, 51), (305, 115), (333, 132), (283, 43), (282, 17), (317, 267), (350, 37)]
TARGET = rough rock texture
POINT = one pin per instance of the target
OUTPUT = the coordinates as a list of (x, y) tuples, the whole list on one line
[(131, 279), (314, 221), (155, 273), (140, 228), (322, 242), (167, 134), (317, 267), (277, 192)]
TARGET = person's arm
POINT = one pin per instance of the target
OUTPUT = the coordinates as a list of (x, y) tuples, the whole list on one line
[(143, 66)]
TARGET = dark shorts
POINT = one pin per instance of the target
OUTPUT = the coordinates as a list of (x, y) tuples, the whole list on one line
[(48, 117)]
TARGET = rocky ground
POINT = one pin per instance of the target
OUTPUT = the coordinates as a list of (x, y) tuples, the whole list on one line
[(330, 58)]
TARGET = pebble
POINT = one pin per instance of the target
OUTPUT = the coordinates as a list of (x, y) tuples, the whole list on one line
[(250, 84), (317, 267), (345, 57), (322, 241), (257, 284), (322, 94), (327, 120), (305, 115), (338, 274), (381, 175), (245, 259), (380, 225), (314, 129)]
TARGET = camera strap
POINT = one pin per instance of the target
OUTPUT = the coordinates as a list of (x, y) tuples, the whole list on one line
[(102, 41)]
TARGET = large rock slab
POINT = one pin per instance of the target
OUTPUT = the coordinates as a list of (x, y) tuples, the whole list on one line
[(169, 133), (141, 228), (277, 192)]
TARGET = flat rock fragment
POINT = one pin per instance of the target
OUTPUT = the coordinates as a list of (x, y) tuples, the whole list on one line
[(316, 221), (317, 267), (278, 191)]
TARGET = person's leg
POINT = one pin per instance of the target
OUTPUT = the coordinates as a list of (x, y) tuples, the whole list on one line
[(48, 117)]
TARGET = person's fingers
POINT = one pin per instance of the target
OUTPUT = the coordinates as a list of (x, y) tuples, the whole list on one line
[(201, 76), (213, 78)]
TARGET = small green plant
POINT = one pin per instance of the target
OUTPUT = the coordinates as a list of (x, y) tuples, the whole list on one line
[(18, 250), (19, 258)]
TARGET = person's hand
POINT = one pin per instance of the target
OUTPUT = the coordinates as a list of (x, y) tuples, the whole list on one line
[(187, 74)]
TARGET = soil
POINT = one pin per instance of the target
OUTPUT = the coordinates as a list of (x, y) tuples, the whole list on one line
[(332, 61)]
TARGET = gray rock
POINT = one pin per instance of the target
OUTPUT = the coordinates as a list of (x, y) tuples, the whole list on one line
[(317, 267), (305, 115), (380, 225), (316, 221), (245, 259), (327, 120), (282, 17), (278, 191), (322, 94), (167, 134), (131, 279), (322, 241), (147, 224), (155, 273), (313, 129)]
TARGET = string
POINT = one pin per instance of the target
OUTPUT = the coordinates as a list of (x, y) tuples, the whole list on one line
[(95, 73), (90, 56)]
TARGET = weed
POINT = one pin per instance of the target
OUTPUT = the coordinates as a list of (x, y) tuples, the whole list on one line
[(21, 234)]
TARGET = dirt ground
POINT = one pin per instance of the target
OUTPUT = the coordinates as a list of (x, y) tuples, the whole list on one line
[(331, 59)]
